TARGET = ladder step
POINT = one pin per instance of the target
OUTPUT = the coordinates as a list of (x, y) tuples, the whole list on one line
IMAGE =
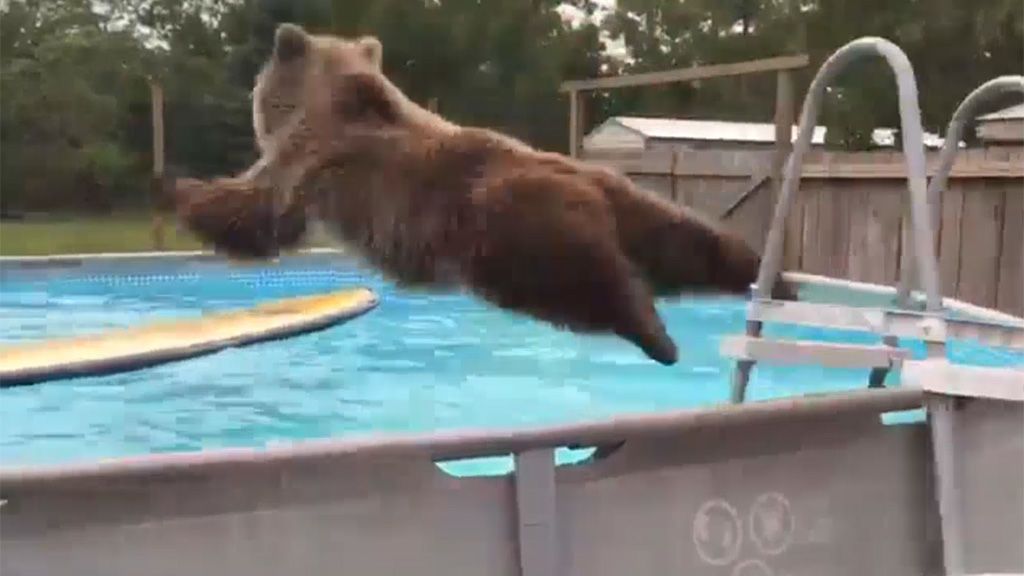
[(804, 352), (900, 323), (938, 375)]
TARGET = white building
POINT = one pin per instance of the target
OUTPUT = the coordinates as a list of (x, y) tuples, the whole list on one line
[(637, 133), (1004, 127)]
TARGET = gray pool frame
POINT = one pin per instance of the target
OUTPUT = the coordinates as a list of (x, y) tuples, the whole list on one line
[(810, 485)]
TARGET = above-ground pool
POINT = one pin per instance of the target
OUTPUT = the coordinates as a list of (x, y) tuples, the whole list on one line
[(419, 362)]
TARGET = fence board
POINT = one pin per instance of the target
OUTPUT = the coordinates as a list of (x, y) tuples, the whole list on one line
[(702, 197), (696, 193), (981, 236), (1010, 293), (883, 234), (633, 161), (660, 185), (858, 265), (793, 255), (717, 194), (749, 219), (907, 250), (893, 169), (812, 258), (849, 215), (684, 190), (951, 228), (824, 241), (839, 222)]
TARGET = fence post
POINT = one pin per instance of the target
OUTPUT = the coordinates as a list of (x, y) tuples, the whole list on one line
[(157, 181), (785, 115), (577, 111)]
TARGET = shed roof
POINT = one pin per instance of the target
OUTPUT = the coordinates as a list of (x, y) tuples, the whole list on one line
[(1011, 113), (728, 131), (687, 129)]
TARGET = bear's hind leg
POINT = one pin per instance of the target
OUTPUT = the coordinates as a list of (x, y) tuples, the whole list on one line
[(561, 263)]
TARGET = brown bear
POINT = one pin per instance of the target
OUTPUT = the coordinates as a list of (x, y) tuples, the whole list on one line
[(436, 205)]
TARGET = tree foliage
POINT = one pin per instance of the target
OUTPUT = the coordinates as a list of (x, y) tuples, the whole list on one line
[(75, 110)]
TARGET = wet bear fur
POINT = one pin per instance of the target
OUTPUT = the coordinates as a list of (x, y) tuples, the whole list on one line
[(434, 205)]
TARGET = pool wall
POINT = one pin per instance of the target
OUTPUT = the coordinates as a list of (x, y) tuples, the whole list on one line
[(801, 486), (806, 486)]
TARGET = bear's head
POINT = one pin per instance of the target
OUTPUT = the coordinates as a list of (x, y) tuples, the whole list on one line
[(320, 80), (306, 71)]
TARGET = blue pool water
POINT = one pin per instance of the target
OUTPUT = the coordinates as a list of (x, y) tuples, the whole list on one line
[(419, 362)]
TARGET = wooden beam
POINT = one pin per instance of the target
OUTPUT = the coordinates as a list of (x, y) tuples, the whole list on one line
[(785, 117), (577, 121), (574, 123), (157, 182), (689, 74), (898, 169), (157, 96), (739, 164), (673, 192), (752, 186), (824, 165), (581, 120)]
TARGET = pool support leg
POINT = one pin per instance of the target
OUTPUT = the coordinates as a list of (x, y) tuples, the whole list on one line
[(535, 506), (942, 420), (741, 375), (877, 377)]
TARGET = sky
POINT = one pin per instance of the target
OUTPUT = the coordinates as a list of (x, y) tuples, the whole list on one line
[(575, 16)]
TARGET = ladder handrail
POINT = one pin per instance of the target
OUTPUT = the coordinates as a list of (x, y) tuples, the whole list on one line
[(913, 146), (966, 111)]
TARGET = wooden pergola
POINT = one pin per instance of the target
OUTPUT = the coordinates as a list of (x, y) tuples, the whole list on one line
[(785, 107), (781, 65)]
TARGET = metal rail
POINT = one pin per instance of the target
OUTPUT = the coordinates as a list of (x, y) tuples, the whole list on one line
[(968, 110), (931, 326), (913, 146)]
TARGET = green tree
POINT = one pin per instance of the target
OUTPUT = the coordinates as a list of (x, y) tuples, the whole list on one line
[(64, 76), (978, 40), (497, 64)]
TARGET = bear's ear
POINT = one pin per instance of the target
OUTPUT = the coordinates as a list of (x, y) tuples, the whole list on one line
[(290, 42), (371, 49)]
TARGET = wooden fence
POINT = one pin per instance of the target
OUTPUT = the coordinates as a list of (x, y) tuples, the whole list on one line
[(849, 217)]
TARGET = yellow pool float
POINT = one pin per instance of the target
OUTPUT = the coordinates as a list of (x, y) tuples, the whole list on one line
[(140, 347)]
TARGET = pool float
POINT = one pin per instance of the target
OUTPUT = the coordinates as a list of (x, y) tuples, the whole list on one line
[(140, 347)]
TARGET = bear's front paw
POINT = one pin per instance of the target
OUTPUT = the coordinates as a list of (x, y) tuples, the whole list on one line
[(185, 190), (236, 218)]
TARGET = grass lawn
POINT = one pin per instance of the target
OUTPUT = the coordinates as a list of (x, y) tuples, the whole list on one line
[(97, 234), (88, 235)]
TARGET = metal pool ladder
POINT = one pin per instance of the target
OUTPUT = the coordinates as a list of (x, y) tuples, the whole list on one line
[(946, 384)]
